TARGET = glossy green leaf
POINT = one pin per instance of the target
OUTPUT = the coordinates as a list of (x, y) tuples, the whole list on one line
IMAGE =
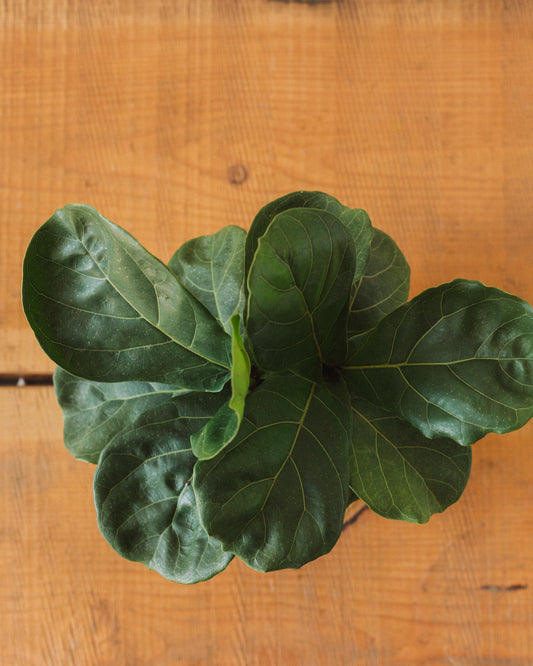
[(299, 288), (224, 425), (355, 219), (146, 506), (456, 361), (94, 412), (383, 287), (400, 473), (105, 309), (276, 495), (212, 269)]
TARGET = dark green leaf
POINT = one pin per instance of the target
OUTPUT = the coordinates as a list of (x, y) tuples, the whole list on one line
[(355, 219), (456, 361), (358, 223), (400, 473), (212, 269), (105, 309), (383, 287), (94, 412), (299, 288), (145, 502), (224, 425), (352, 497), (276, 495)]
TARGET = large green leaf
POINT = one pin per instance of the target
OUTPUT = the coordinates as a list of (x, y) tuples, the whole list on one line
[(224, 425), (400, 473), (383, 287), (146, 506), (276, 496), (105, 309), (299, 288), (212, 269), (94, 412), (355, 219), (456, 361)]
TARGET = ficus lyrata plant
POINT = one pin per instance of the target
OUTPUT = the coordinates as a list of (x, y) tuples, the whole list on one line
[(238, 399)]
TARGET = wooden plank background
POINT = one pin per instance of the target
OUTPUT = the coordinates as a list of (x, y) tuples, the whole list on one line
[(174, 118)]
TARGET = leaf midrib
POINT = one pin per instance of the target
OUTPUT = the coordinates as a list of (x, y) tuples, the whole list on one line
[(153, 324), (409, 364), (288, 457)]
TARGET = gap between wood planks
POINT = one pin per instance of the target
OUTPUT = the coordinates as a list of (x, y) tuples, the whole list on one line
[(11, 379)]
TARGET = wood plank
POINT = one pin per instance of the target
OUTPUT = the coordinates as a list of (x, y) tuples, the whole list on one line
[(458, 590), (418, 111)]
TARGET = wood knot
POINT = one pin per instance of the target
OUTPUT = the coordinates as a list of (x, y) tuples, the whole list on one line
[(237, 174)]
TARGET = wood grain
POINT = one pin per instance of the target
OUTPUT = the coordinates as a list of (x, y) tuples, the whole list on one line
[(419, 112), (176, 118), (458, 590)]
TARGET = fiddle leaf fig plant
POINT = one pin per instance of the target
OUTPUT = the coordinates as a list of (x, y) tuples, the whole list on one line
[(238, 399)]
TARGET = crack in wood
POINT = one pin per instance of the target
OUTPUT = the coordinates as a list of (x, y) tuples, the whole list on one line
[(505, 588), (354, 518), (305, 2)]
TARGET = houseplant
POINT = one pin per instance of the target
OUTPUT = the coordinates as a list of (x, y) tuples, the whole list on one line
[(236, 401)]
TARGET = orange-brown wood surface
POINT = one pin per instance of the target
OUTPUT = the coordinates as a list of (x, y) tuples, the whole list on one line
[(174, 118)]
